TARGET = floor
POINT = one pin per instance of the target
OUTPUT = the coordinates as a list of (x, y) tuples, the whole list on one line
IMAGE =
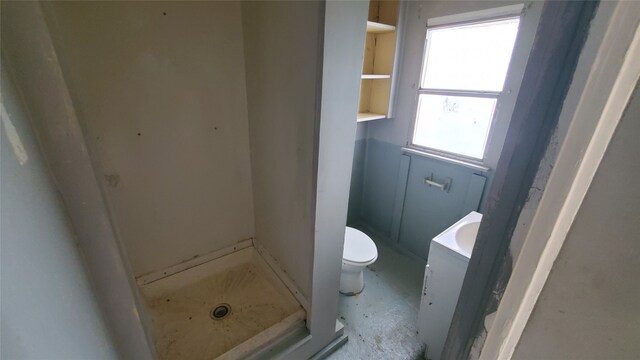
[(181, 308), (381, 322)]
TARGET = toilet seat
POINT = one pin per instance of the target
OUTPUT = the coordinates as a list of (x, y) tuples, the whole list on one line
[(358, 247)]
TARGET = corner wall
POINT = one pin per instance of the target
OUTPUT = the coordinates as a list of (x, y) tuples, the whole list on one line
[(588, 308)]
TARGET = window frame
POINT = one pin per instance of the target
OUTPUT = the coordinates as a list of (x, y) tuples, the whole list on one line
[(463, 93)]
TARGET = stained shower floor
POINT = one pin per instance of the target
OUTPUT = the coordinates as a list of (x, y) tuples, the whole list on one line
[(180, 305), (381, 321)]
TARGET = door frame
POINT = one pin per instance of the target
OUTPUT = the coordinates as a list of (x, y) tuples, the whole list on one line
[(561, 35), (584, 144)]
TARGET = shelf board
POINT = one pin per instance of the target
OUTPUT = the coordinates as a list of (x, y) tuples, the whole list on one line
[(374, 27), (370, 116), (375, 76)]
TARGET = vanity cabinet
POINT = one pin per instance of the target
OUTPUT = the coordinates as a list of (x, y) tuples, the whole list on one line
[(443, 277)]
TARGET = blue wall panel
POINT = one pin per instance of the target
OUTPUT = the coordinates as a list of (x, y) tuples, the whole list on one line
[(388, 193), (380, 176), (401, 190), (429, 210), (354, 214)]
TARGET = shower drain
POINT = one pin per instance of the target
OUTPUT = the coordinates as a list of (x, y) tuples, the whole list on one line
[(220, 311)]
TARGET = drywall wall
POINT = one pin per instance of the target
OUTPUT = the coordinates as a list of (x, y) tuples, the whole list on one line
[(49, 310), (159, 90), (282, 70), (29, 54), (588, 308)]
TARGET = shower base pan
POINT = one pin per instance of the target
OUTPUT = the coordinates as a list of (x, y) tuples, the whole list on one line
[(227, 308)]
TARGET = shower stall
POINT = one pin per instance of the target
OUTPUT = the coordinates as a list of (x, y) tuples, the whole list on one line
[(219, 136)]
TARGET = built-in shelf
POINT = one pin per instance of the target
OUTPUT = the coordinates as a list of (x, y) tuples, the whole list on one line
[(376, 28), (378, 61), (370, 116), (375, 76)]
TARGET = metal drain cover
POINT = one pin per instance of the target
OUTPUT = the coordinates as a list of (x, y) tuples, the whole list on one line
[(220, 311)]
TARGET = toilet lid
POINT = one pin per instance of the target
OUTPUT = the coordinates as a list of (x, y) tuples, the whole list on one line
[(358, 247)]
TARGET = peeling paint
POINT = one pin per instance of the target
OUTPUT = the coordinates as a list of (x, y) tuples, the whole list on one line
[(12, 135)]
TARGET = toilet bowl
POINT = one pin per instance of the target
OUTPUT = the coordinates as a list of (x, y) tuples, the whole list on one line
[(359, 251)]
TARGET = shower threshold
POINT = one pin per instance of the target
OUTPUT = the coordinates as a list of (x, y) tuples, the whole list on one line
[(227, 308)]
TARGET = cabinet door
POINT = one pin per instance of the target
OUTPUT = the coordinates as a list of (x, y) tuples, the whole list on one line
[(443, 280), (424, 302)]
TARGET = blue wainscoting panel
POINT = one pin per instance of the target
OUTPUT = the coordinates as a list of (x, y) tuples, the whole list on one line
[(354, 214), (429, 210), (474, 194), (401, 189), (388, 192), (380, 176)]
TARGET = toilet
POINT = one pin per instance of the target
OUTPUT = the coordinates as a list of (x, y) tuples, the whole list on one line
[(359, 251)]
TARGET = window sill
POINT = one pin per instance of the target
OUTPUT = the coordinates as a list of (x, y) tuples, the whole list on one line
[(459, 162)]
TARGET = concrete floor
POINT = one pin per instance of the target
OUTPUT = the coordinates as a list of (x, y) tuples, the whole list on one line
[(381, 322)]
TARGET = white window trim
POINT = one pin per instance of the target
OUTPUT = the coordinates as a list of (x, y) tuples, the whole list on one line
[(499, 13), (481, 15)]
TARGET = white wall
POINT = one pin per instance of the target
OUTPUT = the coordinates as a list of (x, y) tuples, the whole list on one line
[(282, 70), (159, 90), (343, 44), (588, 308), (48, 308)]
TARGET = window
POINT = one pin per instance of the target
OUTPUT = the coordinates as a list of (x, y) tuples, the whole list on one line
[(463, 73)]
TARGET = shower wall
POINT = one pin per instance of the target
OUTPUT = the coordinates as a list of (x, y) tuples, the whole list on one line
[(283, 72), (159, 88)]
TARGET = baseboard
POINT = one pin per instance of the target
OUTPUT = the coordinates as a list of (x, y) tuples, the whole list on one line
[(331, 348), (280, 348)]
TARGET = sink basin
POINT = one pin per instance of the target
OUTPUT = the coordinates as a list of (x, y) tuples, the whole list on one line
[(466, 236), (461, 236)]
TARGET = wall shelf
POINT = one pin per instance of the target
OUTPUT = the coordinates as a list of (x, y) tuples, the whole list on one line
[(379, 59), (375, 76), (370, 116), (377, 28)]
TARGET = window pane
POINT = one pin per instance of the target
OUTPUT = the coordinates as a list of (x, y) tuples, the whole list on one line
[(470, 57), (454, 124)]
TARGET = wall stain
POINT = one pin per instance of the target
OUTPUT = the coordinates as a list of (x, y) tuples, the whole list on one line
[(112, 179)]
